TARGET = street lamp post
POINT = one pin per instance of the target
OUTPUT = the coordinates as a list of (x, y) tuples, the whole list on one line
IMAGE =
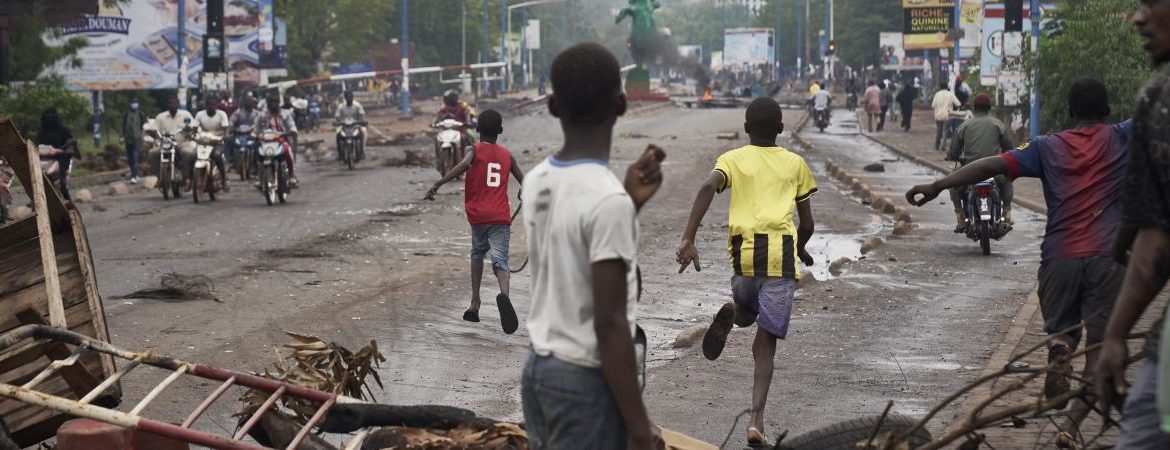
[(508, 29), (404, 49), (1034, 116)]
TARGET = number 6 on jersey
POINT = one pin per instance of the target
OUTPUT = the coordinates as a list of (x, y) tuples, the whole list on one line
[(493, 174)]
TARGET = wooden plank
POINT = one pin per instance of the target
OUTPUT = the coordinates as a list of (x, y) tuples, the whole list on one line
[(94, 299), (34, 296), (53, 386), (46, 424), (19, 266), (25, 373), (16, 232), (18, 362), (78, 379), (45, 237)]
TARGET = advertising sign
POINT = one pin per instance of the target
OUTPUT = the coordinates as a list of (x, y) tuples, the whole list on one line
[(134, 45), (926, 24), (971, 22), (749, 46), (893, 56), (992, 52), (532, 34)]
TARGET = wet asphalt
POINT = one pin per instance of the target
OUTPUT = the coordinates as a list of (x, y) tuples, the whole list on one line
[(358, 256)]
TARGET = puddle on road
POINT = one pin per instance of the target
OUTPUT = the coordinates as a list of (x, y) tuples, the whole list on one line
[(828, 247)]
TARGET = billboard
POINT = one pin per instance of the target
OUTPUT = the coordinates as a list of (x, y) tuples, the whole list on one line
[(750, 46), (971, 22), (926, 23), (893, 56), (991, 51), (134, 45)]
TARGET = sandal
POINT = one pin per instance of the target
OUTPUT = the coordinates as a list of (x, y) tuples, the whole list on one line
[(471, 315), (756, 438), (508, 320), (716, 337)]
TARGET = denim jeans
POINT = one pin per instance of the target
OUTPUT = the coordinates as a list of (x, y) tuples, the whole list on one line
[(133, 153), (569, 407)]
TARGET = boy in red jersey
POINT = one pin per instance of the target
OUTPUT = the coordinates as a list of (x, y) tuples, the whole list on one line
[(487, 166)]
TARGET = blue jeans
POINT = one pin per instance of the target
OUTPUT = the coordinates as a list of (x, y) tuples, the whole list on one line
[(569, 407), (133, 153), (1140, 419)]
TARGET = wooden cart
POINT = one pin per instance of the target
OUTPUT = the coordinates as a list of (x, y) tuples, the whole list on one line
[(61, 293)]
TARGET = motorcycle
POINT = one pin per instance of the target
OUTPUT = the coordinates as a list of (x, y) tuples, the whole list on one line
[(169, 176), (245, 152), (273, 169), (207, 178), (821, 118), (448, 145), (983, 209), (349, 134), (851, 102)]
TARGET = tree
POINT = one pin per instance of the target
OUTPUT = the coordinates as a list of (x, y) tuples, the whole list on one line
[(1097, 41), (310, 24), (24, 105)]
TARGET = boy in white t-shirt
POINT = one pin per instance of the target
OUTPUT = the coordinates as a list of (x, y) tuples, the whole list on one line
[(580, 387)]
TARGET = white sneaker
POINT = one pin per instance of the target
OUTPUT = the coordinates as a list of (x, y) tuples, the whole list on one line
[(134, 180)]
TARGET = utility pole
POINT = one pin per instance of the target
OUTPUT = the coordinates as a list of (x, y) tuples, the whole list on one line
[(504, 30), (807, 17), (799, 41), (404, 49), (957, 26), (487, 51), (828, 38), (776, 42), (524, 62), (1034, 117), (182, 53)]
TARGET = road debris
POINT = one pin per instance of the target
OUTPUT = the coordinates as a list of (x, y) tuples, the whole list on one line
[(175, 286)]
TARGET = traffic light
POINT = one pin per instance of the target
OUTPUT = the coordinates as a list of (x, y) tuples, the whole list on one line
[(831, 49)]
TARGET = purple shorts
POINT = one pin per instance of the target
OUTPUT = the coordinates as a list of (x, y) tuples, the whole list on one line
[(769, 297)]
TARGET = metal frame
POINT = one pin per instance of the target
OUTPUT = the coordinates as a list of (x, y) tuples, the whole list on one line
[(178, 368)]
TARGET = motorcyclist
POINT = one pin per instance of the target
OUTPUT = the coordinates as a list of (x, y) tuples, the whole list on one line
[(821, 101), (351, 109), (213, 120), (285, 125), (246, 117), (175, 122), (977, 138), (57, 149)]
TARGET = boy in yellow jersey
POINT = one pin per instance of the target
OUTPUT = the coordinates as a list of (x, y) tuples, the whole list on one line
[(769, 186)]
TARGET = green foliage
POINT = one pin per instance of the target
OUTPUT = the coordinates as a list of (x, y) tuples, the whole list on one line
[(1098, 41), (30, 54), (310, 24), (25, 104), (702, 23)]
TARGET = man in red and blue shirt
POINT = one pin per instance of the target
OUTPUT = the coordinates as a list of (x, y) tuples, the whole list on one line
[(487, 166), (1083, 172)]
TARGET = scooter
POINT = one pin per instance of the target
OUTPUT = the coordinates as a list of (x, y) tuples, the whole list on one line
[(983, 209), (169, 176), (274, 177), (821, 117), (448, 145), (349, 134), (207, 178), (245, 152)]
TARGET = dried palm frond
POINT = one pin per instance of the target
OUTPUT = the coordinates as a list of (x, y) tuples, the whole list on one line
[(325, 366)]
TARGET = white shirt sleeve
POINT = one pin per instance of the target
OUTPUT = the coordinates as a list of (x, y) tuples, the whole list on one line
[(610, 231)]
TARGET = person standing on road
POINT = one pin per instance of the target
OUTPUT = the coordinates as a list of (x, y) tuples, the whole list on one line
[(906, 103), (980, 137), (132, 122), (351, 109), (485, 188), (885, 101), (943, 103), (1083, 171), (579, 387), (769, 186), (1145, 242), (213, 120), (57, 149), (872, 101)]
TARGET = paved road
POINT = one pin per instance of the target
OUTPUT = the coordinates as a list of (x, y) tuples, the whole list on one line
[(357, 256)]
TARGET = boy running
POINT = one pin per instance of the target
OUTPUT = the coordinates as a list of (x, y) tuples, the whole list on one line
[(579, 387), (769, 185), (487, 165)]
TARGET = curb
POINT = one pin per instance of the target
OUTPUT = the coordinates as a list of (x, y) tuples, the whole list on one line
[(1007, 348), (1026, 203)]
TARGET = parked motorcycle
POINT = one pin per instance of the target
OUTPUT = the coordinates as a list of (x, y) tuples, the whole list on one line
[(207, 178), (349, 134), (245, 154), (821, 117), (983, 208), (169, 175), (448, 145), (273, 169)]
